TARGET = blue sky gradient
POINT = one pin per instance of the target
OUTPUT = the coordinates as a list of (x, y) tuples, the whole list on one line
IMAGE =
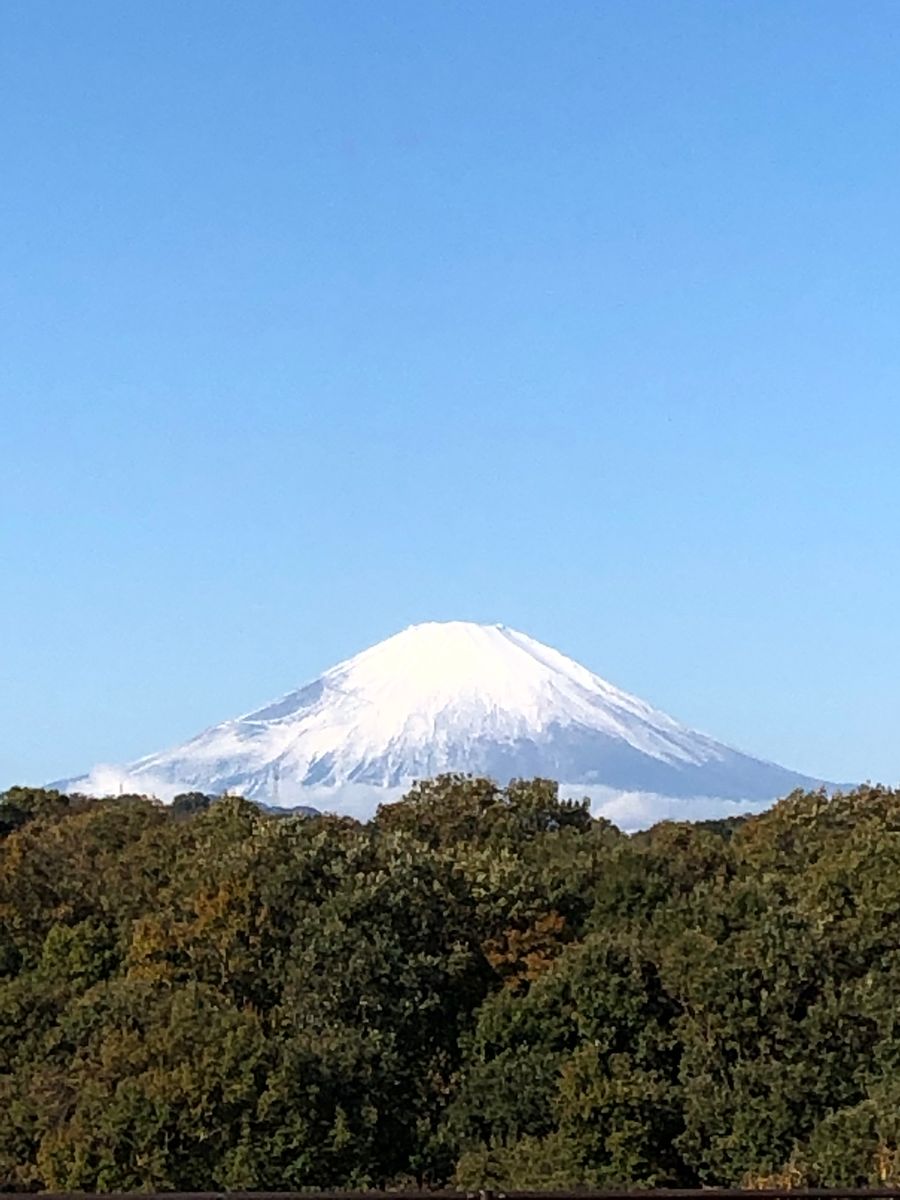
[(321, 319)]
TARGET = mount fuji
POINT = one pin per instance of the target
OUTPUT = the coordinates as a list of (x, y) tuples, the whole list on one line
[(457, 696)]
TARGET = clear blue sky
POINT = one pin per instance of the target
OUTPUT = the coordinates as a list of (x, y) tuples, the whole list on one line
[(320, 319)]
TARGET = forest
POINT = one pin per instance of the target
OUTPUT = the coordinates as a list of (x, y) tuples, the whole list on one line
[(481, 987)]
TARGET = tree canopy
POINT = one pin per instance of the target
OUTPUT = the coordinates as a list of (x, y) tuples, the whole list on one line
[(481, 987)]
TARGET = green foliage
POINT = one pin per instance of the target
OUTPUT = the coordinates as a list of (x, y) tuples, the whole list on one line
[(187, 803), (482, 987), (19, 805)]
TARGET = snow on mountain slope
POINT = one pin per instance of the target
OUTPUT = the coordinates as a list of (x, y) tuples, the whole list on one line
[(457, 696)]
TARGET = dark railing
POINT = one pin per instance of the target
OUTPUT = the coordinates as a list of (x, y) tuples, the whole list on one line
[(859, 1193)]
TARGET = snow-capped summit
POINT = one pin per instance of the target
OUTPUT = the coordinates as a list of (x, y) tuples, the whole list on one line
[(457, 696)]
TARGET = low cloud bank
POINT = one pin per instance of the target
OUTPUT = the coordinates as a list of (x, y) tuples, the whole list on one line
[(630, 811), (107, 779)]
